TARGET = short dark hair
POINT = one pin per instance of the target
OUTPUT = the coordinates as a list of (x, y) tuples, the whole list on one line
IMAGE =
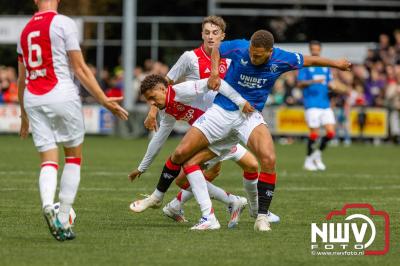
[(151, 81), (262, 38), (315, 42), (215, 20)]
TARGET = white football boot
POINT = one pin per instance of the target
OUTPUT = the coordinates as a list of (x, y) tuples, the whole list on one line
[(317, 156), (236, 210), (207, 223), (175, 214), (262, 224), (273, 218), (309, 164), (149, 201)]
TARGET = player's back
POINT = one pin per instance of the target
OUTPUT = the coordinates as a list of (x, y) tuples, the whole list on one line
[(43, 48), (316, 95)]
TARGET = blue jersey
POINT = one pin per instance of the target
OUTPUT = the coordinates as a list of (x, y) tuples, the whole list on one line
[(316, 95), (254, 83)]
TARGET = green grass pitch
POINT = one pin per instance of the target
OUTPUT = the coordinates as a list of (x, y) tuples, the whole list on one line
[(109, 234)]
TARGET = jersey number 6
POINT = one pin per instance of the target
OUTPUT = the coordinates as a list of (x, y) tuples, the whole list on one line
[(36, 48)]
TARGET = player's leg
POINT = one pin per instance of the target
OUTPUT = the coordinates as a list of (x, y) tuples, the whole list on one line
[(68, 119), (185, 194), (45, 143), (328, 121), (198, 184), (193, 141), (313, 123), (69, 184), (261, 144), (249, 164), (174, 209), (309, 162), (330, 134), (48, 175)]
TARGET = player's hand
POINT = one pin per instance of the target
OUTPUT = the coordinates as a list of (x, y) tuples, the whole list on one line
[(112, 104), (24, 130), (214, 82), (151, 123), (135, 174), (343, 64), (247, 108)]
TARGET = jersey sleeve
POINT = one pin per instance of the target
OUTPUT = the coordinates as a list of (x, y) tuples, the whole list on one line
[(187, 91), (70, 33), (226, 90), (180, 68), (166, 125), (226, 49), (292, 60)]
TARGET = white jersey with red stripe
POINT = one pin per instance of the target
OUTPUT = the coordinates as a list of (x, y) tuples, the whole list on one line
[(195, 65), (42, 48), (182, 104)]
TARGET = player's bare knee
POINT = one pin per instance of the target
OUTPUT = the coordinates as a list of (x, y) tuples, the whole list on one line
[(268, 161), (179, 156), (251, 166)]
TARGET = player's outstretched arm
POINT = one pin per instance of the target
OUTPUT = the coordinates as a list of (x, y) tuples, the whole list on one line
[(86, 77), (24, 130), (342, 64), (215, 81), (156, 143)]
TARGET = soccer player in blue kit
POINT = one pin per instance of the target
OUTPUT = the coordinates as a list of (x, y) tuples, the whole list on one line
[(255, 66), (316, 82)]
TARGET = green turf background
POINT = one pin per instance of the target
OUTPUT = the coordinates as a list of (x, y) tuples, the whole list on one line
[(109, 234)]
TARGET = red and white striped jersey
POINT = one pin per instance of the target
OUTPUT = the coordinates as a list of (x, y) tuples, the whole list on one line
[(195, 65), (182, 103), (42, 48)]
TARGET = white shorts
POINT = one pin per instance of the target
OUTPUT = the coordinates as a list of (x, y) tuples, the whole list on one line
[(224, 129), (217, 124), (317, 117), (57, 123), (236, 153), (249, 124)]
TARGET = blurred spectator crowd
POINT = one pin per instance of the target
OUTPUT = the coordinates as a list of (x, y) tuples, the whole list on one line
[(375, 83)]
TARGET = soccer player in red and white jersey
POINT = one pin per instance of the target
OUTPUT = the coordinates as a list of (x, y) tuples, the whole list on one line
[(195, 65), (49, 57), (187, 101)]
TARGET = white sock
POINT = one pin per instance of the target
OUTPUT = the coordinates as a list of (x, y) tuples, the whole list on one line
[(250, 185), (219, 194), (70, 179), (199, 188), (180, 199), (48, 182), (186, 195), (158, 195)]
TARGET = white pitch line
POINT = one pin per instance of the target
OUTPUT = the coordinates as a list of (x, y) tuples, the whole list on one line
[(142, 189), (282, 174)]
